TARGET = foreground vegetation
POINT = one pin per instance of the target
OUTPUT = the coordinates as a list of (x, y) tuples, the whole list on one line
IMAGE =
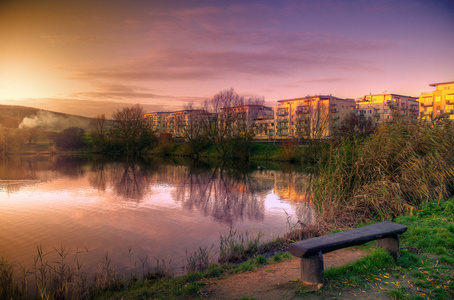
[(399, 167), (425, 268)]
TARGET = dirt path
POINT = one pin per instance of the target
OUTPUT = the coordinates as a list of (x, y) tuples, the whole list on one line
[(276, 281)]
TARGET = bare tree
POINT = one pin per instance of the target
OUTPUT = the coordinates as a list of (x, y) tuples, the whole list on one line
[(314, 123), (99, 123), (131, 131), (232, 132), (193, 127)]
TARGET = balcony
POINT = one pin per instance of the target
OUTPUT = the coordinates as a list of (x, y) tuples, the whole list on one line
[(376, 114), (281, 133), (334, 118), (282, 126), (450, 112), (427, 104), (426, 114), (302, 111), (302, 125), (450, 101), (282, 113), (281, 120), (334, 110)]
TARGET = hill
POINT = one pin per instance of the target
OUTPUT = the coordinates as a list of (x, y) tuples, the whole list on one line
[(14, 116)]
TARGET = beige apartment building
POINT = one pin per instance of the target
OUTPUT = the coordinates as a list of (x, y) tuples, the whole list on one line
[(157, 121), (247, 118), (439, 103), (380, 108), (311, 116), (183, 122)]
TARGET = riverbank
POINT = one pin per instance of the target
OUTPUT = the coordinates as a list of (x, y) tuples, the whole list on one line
[(425, 268)]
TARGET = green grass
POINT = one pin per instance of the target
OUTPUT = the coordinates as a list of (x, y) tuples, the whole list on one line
[(425, 267)]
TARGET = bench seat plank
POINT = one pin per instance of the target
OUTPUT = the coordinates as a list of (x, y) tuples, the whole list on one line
[(353, 237)]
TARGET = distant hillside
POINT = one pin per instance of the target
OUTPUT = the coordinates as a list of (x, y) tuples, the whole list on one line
[(14, 116)]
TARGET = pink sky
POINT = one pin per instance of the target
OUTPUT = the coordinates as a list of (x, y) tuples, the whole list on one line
[(89, 57)]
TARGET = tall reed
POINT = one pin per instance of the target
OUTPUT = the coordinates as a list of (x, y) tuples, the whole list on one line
[(403, 164), (235, 246)]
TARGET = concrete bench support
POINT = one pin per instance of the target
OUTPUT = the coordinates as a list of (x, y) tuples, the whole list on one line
[(311, 251), (391, 244), (312, 269)]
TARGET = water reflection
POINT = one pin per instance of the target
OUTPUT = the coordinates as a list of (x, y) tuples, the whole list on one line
[(130, 180), (228, 193), (224, 195), (160, 208)]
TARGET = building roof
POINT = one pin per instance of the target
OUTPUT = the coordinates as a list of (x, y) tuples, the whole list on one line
[(249, 105), (309, 97), (435, 84), (392, 94)]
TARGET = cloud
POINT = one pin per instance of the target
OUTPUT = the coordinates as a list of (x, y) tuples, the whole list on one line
[(84, 39), (266, 57)]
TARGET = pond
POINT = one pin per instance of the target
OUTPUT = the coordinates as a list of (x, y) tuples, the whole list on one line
[(159, 209)]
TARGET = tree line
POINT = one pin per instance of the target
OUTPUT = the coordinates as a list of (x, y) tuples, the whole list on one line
[(213, 123)]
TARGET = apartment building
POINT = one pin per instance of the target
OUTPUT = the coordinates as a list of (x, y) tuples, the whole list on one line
[(183, 122), (439, 103), (264, 128), (311, 116), (247, 118), (157, 121), (380, 108)]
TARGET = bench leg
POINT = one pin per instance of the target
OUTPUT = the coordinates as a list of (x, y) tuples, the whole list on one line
[(391, 244), (312, 269)]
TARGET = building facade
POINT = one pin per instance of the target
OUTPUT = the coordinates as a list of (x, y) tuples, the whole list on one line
[(184, 122), (310, 117), (381, 108), (251, 119), (157, 121), (439, 103)]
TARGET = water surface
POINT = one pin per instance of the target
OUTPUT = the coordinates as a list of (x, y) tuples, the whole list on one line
[(159, 209)]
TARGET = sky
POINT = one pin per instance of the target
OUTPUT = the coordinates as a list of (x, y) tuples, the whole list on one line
[(89, 57)]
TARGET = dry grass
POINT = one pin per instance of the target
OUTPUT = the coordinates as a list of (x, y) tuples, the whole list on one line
[(402, 165), (58, 274)]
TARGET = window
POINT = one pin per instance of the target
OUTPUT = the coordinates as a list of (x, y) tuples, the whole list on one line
[(386, 111)]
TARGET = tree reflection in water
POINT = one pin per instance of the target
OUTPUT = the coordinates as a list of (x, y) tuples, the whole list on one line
[(226, 194), (129, 180)]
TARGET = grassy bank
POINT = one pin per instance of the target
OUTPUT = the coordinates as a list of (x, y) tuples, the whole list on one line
[(258, 152), (425, 268)]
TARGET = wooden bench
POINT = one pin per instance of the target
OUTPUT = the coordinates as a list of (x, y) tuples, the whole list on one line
[(311, 250)]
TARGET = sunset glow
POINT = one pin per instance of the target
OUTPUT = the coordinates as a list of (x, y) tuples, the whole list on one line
[(90, 57)]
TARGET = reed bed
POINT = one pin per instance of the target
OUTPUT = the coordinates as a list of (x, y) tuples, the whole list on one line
[(59, 274), (387, 174)]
